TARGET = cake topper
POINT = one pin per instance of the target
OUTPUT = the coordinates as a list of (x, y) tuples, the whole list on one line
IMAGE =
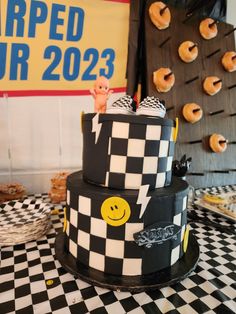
[(152, 106), (123, 105), (180, 168), (101, 93)]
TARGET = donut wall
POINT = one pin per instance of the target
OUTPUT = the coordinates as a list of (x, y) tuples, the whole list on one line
[(161, 50)]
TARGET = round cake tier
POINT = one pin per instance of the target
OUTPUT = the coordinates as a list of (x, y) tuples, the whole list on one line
[(125, 232), (127, 151)]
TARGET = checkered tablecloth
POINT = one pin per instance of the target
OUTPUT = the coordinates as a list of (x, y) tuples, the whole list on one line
[(33, 281)]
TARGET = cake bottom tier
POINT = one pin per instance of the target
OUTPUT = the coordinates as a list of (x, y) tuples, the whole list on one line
[(135, 284), (126, 232)]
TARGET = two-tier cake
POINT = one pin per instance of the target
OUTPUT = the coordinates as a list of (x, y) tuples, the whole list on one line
[(125, 214)]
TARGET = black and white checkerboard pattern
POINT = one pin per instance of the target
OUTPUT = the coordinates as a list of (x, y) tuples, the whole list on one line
[(153, 106), (99, 245), (23, 221), (25, 270), (22, 212), (121, 105), (139, 158), (112, 249)]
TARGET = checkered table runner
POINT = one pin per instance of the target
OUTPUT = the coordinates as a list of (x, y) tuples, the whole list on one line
[(33, 281)]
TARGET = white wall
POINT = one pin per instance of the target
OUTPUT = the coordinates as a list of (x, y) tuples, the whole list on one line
[(40, 136)]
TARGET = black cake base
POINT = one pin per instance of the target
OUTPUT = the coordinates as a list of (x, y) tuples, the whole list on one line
[(171, 275)]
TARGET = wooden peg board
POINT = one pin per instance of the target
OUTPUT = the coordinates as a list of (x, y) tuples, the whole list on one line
[(204, 160)]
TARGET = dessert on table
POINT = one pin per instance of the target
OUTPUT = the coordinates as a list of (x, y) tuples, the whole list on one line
[(57, 192), (11, 191), (124, 209)]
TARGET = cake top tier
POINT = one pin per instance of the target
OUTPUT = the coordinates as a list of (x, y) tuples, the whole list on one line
[(135, 119), (127, 151)]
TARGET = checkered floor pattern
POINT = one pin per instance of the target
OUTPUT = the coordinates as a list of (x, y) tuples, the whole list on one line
[(33, 281)]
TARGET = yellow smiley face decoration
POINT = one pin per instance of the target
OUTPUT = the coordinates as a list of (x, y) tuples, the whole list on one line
[(115, 211)]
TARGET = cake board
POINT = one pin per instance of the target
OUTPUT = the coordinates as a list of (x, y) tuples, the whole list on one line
[(179, 271)]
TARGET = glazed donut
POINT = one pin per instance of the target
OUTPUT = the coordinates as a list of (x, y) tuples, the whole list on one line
[(159, 15), (217, 143), (208, 28), (212, 85), (163, 79), (229, 61), (188, 51), (192, 112)]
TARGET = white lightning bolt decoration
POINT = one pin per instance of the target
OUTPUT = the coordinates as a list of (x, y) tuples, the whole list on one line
[(96, 127), (143, 199)]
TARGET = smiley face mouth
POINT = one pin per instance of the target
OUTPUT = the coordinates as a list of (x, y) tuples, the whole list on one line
[(116, 219)]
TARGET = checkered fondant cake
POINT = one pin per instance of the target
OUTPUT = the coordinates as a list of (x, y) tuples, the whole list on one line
[(125, 214), (94, 241), (130, 151)]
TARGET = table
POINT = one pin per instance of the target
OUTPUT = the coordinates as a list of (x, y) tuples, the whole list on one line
[(33, 281)]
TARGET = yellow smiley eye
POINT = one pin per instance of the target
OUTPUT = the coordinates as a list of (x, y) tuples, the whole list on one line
[(115, 211)]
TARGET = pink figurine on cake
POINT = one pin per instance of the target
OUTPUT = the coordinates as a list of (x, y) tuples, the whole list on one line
[(101, 93)]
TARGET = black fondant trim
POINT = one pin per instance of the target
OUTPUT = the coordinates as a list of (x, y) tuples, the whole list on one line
[(76, 184), (166, 277), (130, 119)]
